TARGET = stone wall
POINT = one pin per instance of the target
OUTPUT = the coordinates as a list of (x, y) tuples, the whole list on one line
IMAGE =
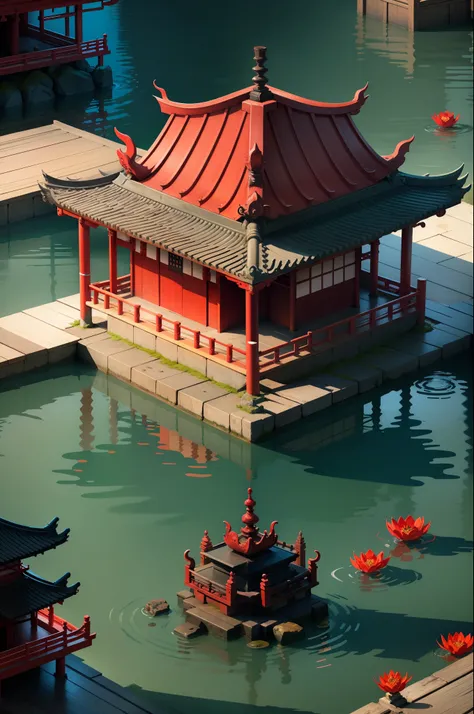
[(39, 88)]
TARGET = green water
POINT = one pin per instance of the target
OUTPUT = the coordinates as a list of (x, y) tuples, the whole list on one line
[(138, 482)]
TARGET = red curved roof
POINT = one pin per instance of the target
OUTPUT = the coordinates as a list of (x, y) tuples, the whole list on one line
[(279, 156)]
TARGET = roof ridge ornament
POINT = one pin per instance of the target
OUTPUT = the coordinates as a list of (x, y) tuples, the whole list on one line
[(128, 158), (250, 541), (260, 92)]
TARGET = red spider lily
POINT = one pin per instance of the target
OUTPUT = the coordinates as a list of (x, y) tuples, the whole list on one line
[(369, 562), (408, 528), (457, 644), (445, 119), (393, 682)]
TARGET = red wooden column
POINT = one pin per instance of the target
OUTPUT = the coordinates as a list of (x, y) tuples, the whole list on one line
[(112, 261), (405, 261), (79, 30), (41, 23), (293, 301), (84, 272), (374, 266), (251, 338), (15, 35)]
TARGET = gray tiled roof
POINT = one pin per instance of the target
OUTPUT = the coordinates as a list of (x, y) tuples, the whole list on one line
[(30, 593), (18, 542), (257, 251)]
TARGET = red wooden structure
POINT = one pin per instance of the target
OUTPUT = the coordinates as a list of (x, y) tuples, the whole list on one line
[(251, 572), (31, 634), (253, 206), (26, 42)]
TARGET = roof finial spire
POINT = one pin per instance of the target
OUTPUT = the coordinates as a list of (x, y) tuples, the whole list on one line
[(260, 92)]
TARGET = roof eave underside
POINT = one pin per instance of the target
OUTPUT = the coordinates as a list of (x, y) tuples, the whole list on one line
[(31, 593), (18, 542)]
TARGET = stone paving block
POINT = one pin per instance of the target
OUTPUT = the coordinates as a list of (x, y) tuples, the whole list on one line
[(167, 349), (121, 364), (284, 410), (84, 333), (9, 368), (219, 410), (8, 353), (146, 375), (338, 387), (192, 360), (169, 387), (50, 317), (254, 426), (144, 339), (35, 355), (74, 301), (449, 343), (417, 346), (193, 398), (35, 330), (217, 371), (311, 398), (235, 422), (120, 327), (391, 362), (98, 350), (366, 375), (62, 352)]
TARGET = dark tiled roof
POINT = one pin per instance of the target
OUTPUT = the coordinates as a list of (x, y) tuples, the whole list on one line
[(30, 593), (267, 248), (18, 542)]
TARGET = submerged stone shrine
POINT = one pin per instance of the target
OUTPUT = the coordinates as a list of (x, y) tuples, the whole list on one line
[(31, 634), (250, 584), (248, 216)]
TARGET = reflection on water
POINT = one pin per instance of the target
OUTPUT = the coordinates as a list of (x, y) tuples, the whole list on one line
[(115, 464)]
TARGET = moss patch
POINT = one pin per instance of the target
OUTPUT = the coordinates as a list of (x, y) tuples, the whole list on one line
[(75, 323), (170, 363)]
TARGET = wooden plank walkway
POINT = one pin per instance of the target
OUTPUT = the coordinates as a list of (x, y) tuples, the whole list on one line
[(58, 149), (447, 691), (85, 691)]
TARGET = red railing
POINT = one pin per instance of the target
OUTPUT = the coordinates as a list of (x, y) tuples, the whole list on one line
[(56, 55), (351, 325), (67, 639), (159, 322)]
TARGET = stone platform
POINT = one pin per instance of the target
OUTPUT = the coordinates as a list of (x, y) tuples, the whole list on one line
[(257, 627)]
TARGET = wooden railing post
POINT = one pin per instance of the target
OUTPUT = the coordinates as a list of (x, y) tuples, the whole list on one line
[(212, 346), (177, 330), (421, 301), (228, 351), (159, 323), (264, 591), (313, 569), (136, 313), (196, 339)]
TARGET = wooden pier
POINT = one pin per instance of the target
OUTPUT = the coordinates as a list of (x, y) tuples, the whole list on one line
[(419, 14), (58, 149), (447, 691)]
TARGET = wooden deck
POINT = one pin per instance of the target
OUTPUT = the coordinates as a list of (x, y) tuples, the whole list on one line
[(58, 149), (447, 691)]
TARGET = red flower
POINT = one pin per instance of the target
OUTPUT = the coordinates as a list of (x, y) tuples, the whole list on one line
[(393, 682), (408, 528), (445, 119), (369, 562), (457, 644)]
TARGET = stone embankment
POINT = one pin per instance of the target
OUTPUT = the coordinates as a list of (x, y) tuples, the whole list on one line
[(40, 88)]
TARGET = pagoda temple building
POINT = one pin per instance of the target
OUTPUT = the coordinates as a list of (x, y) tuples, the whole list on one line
[(245, 223), (31, 634), (26, 42), (250, 578)]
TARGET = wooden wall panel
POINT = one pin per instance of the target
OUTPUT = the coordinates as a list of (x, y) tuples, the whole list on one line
[(232, 305), (325, 302)]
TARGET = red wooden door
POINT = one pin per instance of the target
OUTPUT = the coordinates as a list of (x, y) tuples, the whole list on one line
[(171, 290), (146, 278)]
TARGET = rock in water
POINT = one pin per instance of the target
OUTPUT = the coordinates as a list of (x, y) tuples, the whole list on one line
[(37, 89), (188, 629), (10, 97), (69, 81), (287, 632), (102, 77), (156, 607)]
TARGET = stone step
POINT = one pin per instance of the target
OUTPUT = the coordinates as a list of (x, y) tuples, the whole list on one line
[(215, 622)]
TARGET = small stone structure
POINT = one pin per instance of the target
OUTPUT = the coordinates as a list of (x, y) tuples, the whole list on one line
[(40, 88), (251, 585), (156, 607)]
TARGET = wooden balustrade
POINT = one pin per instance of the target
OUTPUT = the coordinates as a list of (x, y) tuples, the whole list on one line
[(55, 55)]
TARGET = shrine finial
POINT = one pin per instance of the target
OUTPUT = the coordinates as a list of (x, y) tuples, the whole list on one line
[(250, 541), (249, 519), (260, 92)]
